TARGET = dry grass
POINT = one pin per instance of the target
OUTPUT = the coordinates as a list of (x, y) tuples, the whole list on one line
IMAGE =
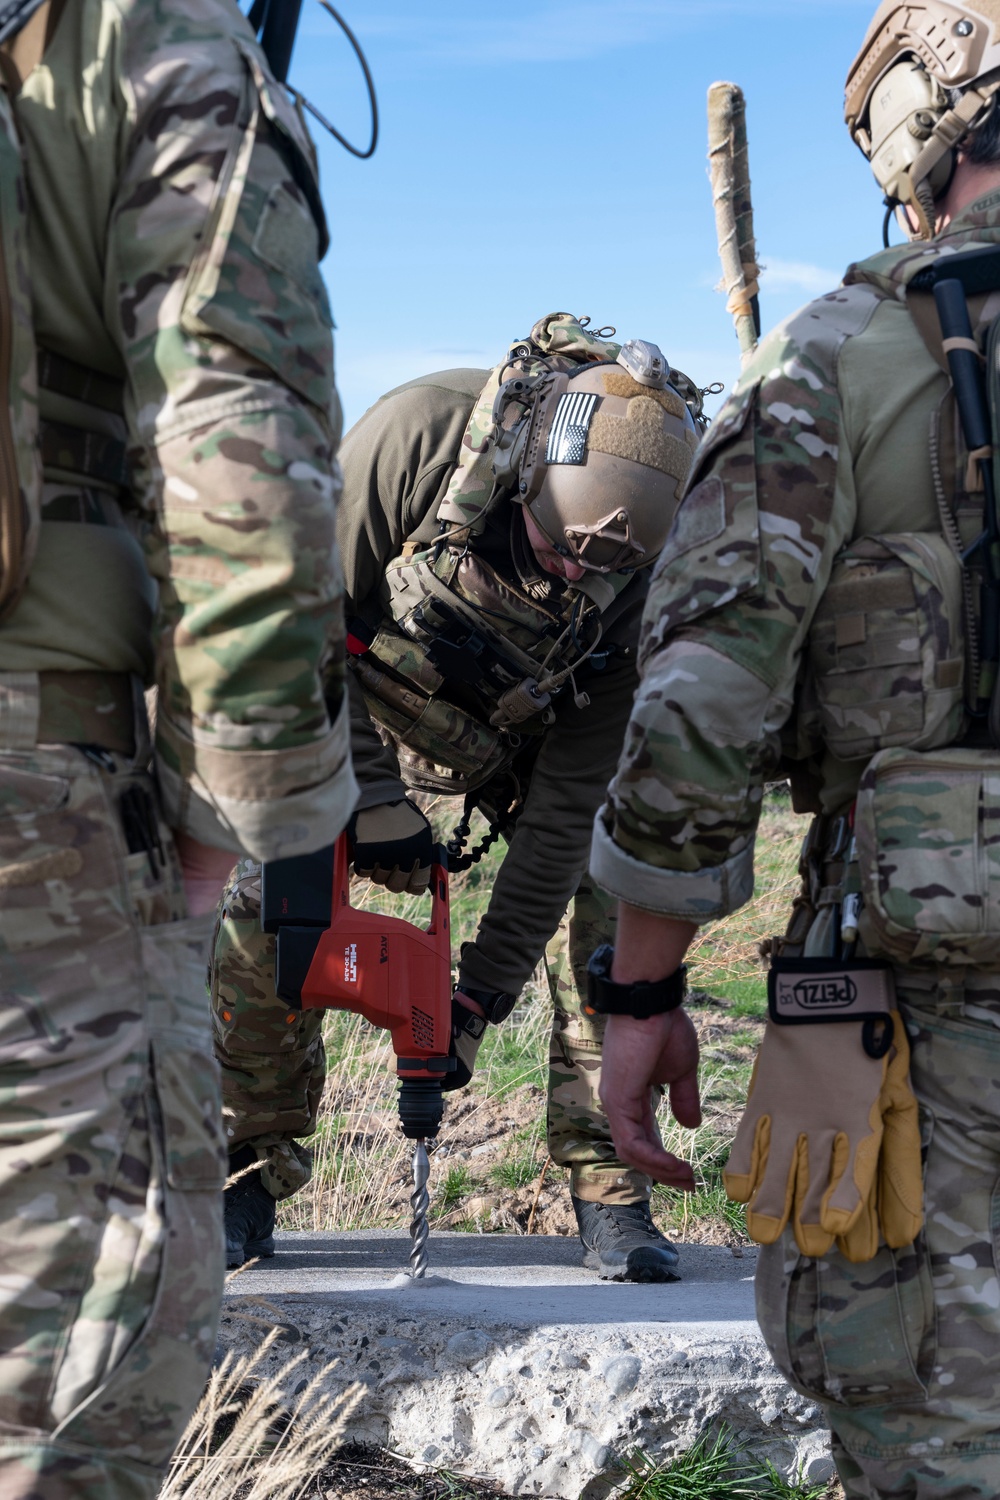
[(247, 1440), (723, 959)]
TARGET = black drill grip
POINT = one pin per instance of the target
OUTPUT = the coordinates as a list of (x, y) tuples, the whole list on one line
[(297, 892)]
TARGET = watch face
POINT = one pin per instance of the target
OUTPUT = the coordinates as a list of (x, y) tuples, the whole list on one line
[(500, 1007)]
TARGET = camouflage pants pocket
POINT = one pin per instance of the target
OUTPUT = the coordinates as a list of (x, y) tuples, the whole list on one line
[(579, 1136), (908, 1366), (175, 960), (272, 1059), (157, 1278), (121, 1290), (109, 1279), (849, 1335)]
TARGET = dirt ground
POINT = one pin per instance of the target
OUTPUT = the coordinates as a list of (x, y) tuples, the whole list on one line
[(366, 1474), (479, 1132)]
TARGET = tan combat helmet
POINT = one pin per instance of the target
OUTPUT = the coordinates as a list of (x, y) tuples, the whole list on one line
[(901, 105), (599, 456)]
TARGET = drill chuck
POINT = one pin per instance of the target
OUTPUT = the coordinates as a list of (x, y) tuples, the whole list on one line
[(421, 1106)]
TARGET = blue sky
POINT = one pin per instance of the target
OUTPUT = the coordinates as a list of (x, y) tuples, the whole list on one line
[(551, 156)]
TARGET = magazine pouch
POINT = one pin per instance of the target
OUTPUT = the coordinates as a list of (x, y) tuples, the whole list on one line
[(926, 828)]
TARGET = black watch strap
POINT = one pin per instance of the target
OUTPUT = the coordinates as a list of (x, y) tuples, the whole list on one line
[(641, 1000), (497, 1004), (464, 1019)]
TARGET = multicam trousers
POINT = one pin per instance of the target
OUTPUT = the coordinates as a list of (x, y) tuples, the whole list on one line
[(111, 1156), (904, 1352), (274, 1067)]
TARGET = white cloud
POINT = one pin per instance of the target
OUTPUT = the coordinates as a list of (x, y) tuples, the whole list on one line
[(798, 276)]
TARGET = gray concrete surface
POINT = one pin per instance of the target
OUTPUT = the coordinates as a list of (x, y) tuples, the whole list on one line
[(517, 1364)]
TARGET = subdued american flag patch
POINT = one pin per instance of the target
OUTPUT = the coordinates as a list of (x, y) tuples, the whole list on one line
[(568, 436)]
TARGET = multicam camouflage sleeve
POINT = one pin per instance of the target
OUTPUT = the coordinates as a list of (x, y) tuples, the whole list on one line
[(233, 421), (728, 611)]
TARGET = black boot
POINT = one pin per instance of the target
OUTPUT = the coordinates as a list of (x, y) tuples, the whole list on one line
[(248, 1214), (621, 1242)]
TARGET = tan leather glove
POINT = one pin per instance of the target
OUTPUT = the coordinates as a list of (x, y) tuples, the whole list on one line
[(829, 1141), (393, 845), (894, 1207)]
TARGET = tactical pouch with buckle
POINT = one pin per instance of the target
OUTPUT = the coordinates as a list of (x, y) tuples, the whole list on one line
[(926, 827), (887, 647)]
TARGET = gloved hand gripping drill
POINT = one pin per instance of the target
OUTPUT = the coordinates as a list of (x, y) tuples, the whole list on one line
[(393, 846)]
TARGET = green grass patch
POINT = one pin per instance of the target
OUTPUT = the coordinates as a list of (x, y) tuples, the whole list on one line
[(715, 1468), (517, 1171), (454, 1186)]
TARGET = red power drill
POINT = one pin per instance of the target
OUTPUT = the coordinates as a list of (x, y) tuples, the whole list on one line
[(331, 956)]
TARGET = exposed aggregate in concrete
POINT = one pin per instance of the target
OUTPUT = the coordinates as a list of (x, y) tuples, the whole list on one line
[(544, 1406)]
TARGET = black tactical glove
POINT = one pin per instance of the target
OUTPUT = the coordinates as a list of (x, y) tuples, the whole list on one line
[(393, 845), (467, 1032), (468, 1029)]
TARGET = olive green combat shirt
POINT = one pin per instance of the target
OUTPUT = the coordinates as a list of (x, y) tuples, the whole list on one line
[(826, 438), (398, 460), (174, 235)]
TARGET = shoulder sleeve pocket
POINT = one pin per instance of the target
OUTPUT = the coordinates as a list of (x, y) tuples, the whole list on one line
[(257, 283), (712, 554)]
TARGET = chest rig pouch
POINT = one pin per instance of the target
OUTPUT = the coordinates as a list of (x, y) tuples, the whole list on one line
[(904, 653), (464, 664), (89, 445), (20, 462), (445, 675)]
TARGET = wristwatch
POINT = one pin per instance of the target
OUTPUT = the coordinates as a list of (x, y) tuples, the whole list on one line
[(643, 999), (496, 1003)]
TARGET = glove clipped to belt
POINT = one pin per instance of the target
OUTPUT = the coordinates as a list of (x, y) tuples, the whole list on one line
[(830, 1140), (393, 845)]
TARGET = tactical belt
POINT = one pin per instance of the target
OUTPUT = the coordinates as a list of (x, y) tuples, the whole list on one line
[(77, 450), (76, 708)]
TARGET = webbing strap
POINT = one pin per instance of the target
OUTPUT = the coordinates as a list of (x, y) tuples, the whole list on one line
[(91, 455), (20, 703), (65, 377), (969, 345)]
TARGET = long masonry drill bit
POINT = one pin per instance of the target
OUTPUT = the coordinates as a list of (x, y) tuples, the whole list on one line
[(420, 1203)]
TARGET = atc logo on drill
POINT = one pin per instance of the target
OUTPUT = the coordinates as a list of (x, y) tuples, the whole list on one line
[(351, 964), (815, 992)]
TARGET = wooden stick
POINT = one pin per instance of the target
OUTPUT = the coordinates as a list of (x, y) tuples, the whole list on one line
[(538, 1193), (729, 162)]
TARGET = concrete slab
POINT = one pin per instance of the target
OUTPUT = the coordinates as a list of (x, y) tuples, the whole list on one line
[(517, 1364)]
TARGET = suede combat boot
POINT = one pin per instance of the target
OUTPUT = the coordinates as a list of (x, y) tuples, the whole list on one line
[(621, 1242), (248, 1214)]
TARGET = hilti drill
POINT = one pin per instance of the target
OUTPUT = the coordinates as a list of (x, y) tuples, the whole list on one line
[(396, 975)]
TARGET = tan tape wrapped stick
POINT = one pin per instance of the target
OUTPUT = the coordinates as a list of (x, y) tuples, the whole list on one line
[(729, 163)]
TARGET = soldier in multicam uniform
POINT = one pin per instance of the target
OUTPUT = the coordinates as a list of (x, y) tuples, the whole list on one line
[(182, 535), (495, 530), (814, 613)]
